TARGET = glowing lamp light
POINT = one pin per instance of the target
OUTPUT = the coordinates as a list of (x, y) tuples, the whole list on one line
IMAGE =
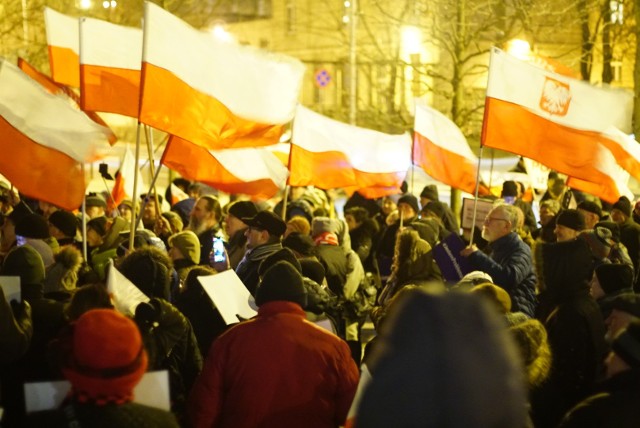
[(519, 48)]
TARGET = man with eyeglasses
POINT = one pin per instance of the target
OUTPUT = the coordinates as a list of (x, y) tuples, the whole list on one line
[(508, 259)]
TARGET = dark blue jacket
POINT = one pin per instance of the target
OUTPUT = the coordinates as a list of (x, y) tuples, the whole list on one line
[(510, 265)]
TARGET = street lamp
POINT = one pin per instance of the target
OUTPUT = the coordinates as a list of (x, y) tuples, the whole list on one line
[(84, 4), (519, 48), (109, 4)]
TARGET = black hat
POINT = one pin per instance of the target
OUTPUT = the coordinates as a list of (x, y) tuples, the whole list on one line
[(573, 219), (267, 220), (615, 277), (509, 188), (430, 192), (243, 209), (18, 212), (281, 282), (435, 207), (613, 227), (26, 263), (627, 344), (410, 200), (99, 224), (300, 243), (312, 269), (627, 302), (65, 221), (33, 226), (623, 205), (590, 206), (284, 254), (95, 201)]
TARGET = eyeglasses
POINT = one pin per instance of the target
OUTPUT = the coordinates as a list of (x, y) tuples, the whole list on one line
[(490, 219)]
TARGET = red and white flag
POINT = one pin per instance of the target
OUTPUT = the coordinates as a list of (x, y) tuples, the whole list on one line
[(253, 171), (177, 194), (64, 91), (215, 94), (123, 187), (110, 63), (442, 151), (563, 123), (64, 47), (329, 154), (45, 140)]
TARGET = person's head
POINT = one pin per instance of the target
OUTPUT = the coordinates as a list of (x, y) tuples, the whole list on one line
[(496, 296), (126, 209), (301, 245), (355, 217), (625, 350), (265, 227), (555, 186), (472, 343), (150, 211), (569, 224), (63, 224), (26, 263), (206, 214), (175, 221), (298, 224), (591, 212), (95, 206), (106, 357), (185, 245), (408, 207), (611, 278), (548, 210), (625, 309), (429, 194), (33, 226), (500, 221), (237, 211), (149, 269), (600, 242), (86, 298), (281, 282), (47, 208), (531, 340), (509, 189), (96, 230), (389, 205), (621, 210)]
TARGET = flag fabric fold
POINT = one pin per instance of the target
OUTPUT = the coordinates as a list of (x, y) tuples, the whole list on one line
[(252, 171), (328, 154), (59, 89), (47, 139), (123, 186), (63, 43), (560, 122), (442, 151), (110, 63), (212, 93)]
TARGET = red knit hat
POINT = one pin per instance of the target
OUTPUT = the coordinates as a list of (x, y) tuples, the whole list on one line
[(107, 359)]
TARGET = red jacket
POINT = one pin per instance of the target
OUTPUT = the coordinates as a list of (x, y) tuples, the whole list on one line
[(276, 370)]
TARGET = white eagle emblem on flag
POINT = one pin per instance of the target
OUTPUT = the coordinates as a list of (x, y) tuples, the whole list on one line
[(556, 97)]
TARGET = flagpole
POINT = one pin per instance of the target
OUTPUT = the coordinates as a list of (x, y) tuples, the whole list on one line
[(152, 166), (84, 222), (153, 182), (412, 166), (134, 199), (475, 200)]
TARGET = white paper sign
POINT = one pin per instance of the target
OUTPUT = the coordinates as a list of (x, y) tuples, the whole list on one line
[(11, 287), (484, 206), (153, 391), (230, 296), (125, 296)]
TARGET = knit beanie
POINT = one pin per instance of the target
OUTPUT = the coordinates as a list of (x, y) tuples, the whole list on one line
[(613, 228), (99, 224), (599, 240), (436, 207), (615, 277), (148, 269), (299, 224), (509, 189), (300, 243), (623, 205), (19, 211), (107, 358), (320, 225), (627, 302), (65, 221), (32, 226), (95, 201), (430, 192), (410, 200), (243, 209), (573, 219), (174, 220), (627, 344), (284, 254), (281, 282), (496, 295), (188, 244), (591, 207), (531, 340), (26, 263)]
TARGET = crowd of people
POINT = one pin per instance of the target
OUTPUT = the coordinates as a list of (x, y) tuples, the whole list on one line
[(542, 331)]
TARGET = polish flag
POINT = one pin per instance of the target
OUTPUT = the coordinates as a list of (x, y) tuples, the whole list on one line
[(563, 123), (177, 194), (45, 140), (253, 171), (123, 187), (63, 42), (213, 93), (442, 151), (62, 90), (330, 154), (110, 63)]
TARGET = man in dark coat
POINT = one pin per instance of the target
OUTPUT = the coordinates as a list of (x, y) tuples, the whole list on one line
[(235, 229), (508, 261), (629, 234)]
